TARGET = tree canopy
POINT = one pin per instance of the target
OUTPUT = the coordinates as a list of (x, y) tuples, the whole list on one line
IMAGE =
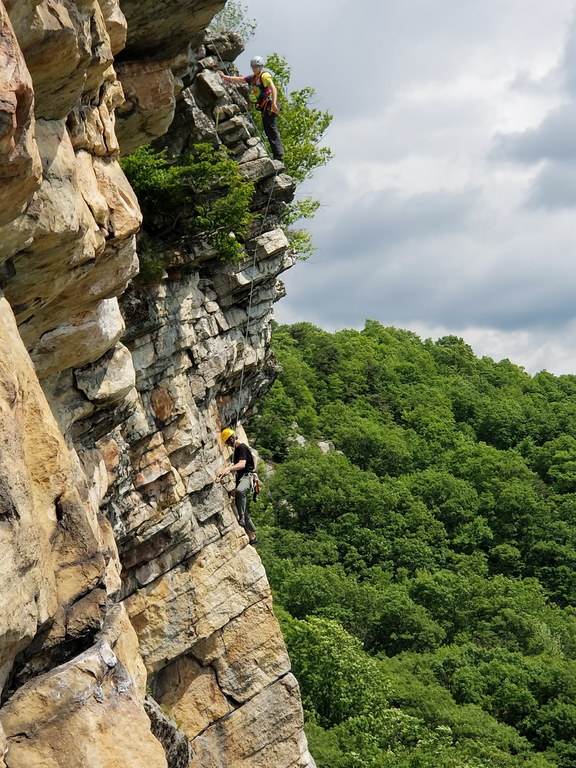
[(418, 529)]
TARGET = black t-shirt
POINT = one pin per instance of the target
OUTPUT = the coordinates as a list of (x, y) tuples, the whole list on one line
[(243, 452)]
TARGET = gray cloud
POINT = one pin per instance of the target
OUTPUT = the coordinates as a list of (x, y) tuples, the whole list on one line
[(528, 283), (553, 139), (566, 63), (420, 294), (554, 187), (381, 220)]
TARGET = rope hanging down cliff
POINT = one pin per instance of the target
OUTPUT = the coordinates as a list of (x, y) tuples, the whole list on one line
[(250, 296), (264, 96)]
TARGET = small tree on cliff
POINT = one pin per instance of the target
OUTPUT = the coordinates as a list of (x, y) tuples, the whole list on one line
[(233, 18), (197, 197)]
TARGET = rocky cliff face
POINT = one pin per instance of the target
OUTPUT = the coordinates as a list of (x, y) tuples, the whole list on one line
[(136, 624)]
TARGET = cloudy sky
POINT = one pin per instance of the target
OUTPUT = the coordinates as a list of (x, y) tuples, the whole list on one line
[(450, 204)]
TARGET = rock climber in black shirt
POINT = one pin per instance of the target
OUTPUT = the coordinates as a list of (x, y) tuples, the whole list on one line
[(243, 465)]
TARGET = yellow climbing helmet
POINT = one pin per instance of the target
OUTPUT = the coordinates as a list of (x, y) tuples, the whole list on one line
[(226, 434)]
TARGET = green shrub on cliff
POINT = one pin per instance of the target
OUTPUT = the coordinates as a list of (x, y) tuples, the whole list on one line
[(199, 197)]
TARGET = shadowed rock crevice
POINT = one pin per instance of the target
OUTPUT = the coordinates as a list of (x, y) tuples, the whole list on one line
[(41, 656)]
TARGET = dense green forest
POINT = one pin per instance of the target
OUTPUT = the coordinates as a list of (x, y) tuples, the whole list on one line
[(417, 523)]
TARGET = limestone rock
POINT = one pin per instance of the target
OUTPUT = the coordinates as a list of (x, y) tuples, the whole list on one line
[(92, 126), (190, 692), (67, 402), (234, 130), (150, 100), (52, 535), (110, 378), (84, 338), (115, 22), (125, 216), (270, 257), (74, 244), (257, 169), (57, 210), (123, 514), (90, 190), (56, 216), (225, 47), (27, 583), (176, 746), (210, 85), (247, 654), (191, 125), (3, 747), (183, 607), (60, 41)]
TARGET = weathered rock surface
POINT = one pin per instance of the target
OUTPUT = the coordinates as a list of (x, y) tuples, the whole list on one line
[(177, 748), (238, 741), (123, 567), (166, 27), (247, 654), (150, 91), (86, 712), (19, 158)]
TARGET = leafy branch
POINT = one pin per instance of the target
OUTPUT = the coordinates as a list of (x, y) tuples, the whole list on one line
[(197, 197)]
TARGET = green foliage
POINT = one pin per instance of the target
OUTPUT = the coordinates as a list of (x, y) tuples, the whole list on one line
[(352, 722), (152, 257), (192, 198), (233, 18), (338, 680), (318, 488), (439, 532), (301, 243)]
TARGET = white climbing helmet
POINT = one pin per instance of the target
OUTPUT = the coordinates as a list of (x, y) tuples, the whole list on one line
[(257, 61)]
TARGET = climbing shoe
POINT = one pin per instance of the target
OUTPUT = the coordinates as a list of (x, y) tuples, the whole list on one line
[(253, 541)]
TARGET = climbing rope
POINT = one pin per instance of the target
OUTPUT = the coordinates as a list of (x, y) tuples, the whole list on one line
[(253, 267), (249, 313)]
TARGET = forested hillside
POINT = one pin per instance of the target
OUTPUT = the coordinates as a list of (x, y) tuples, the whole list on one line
[(419, 533)]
